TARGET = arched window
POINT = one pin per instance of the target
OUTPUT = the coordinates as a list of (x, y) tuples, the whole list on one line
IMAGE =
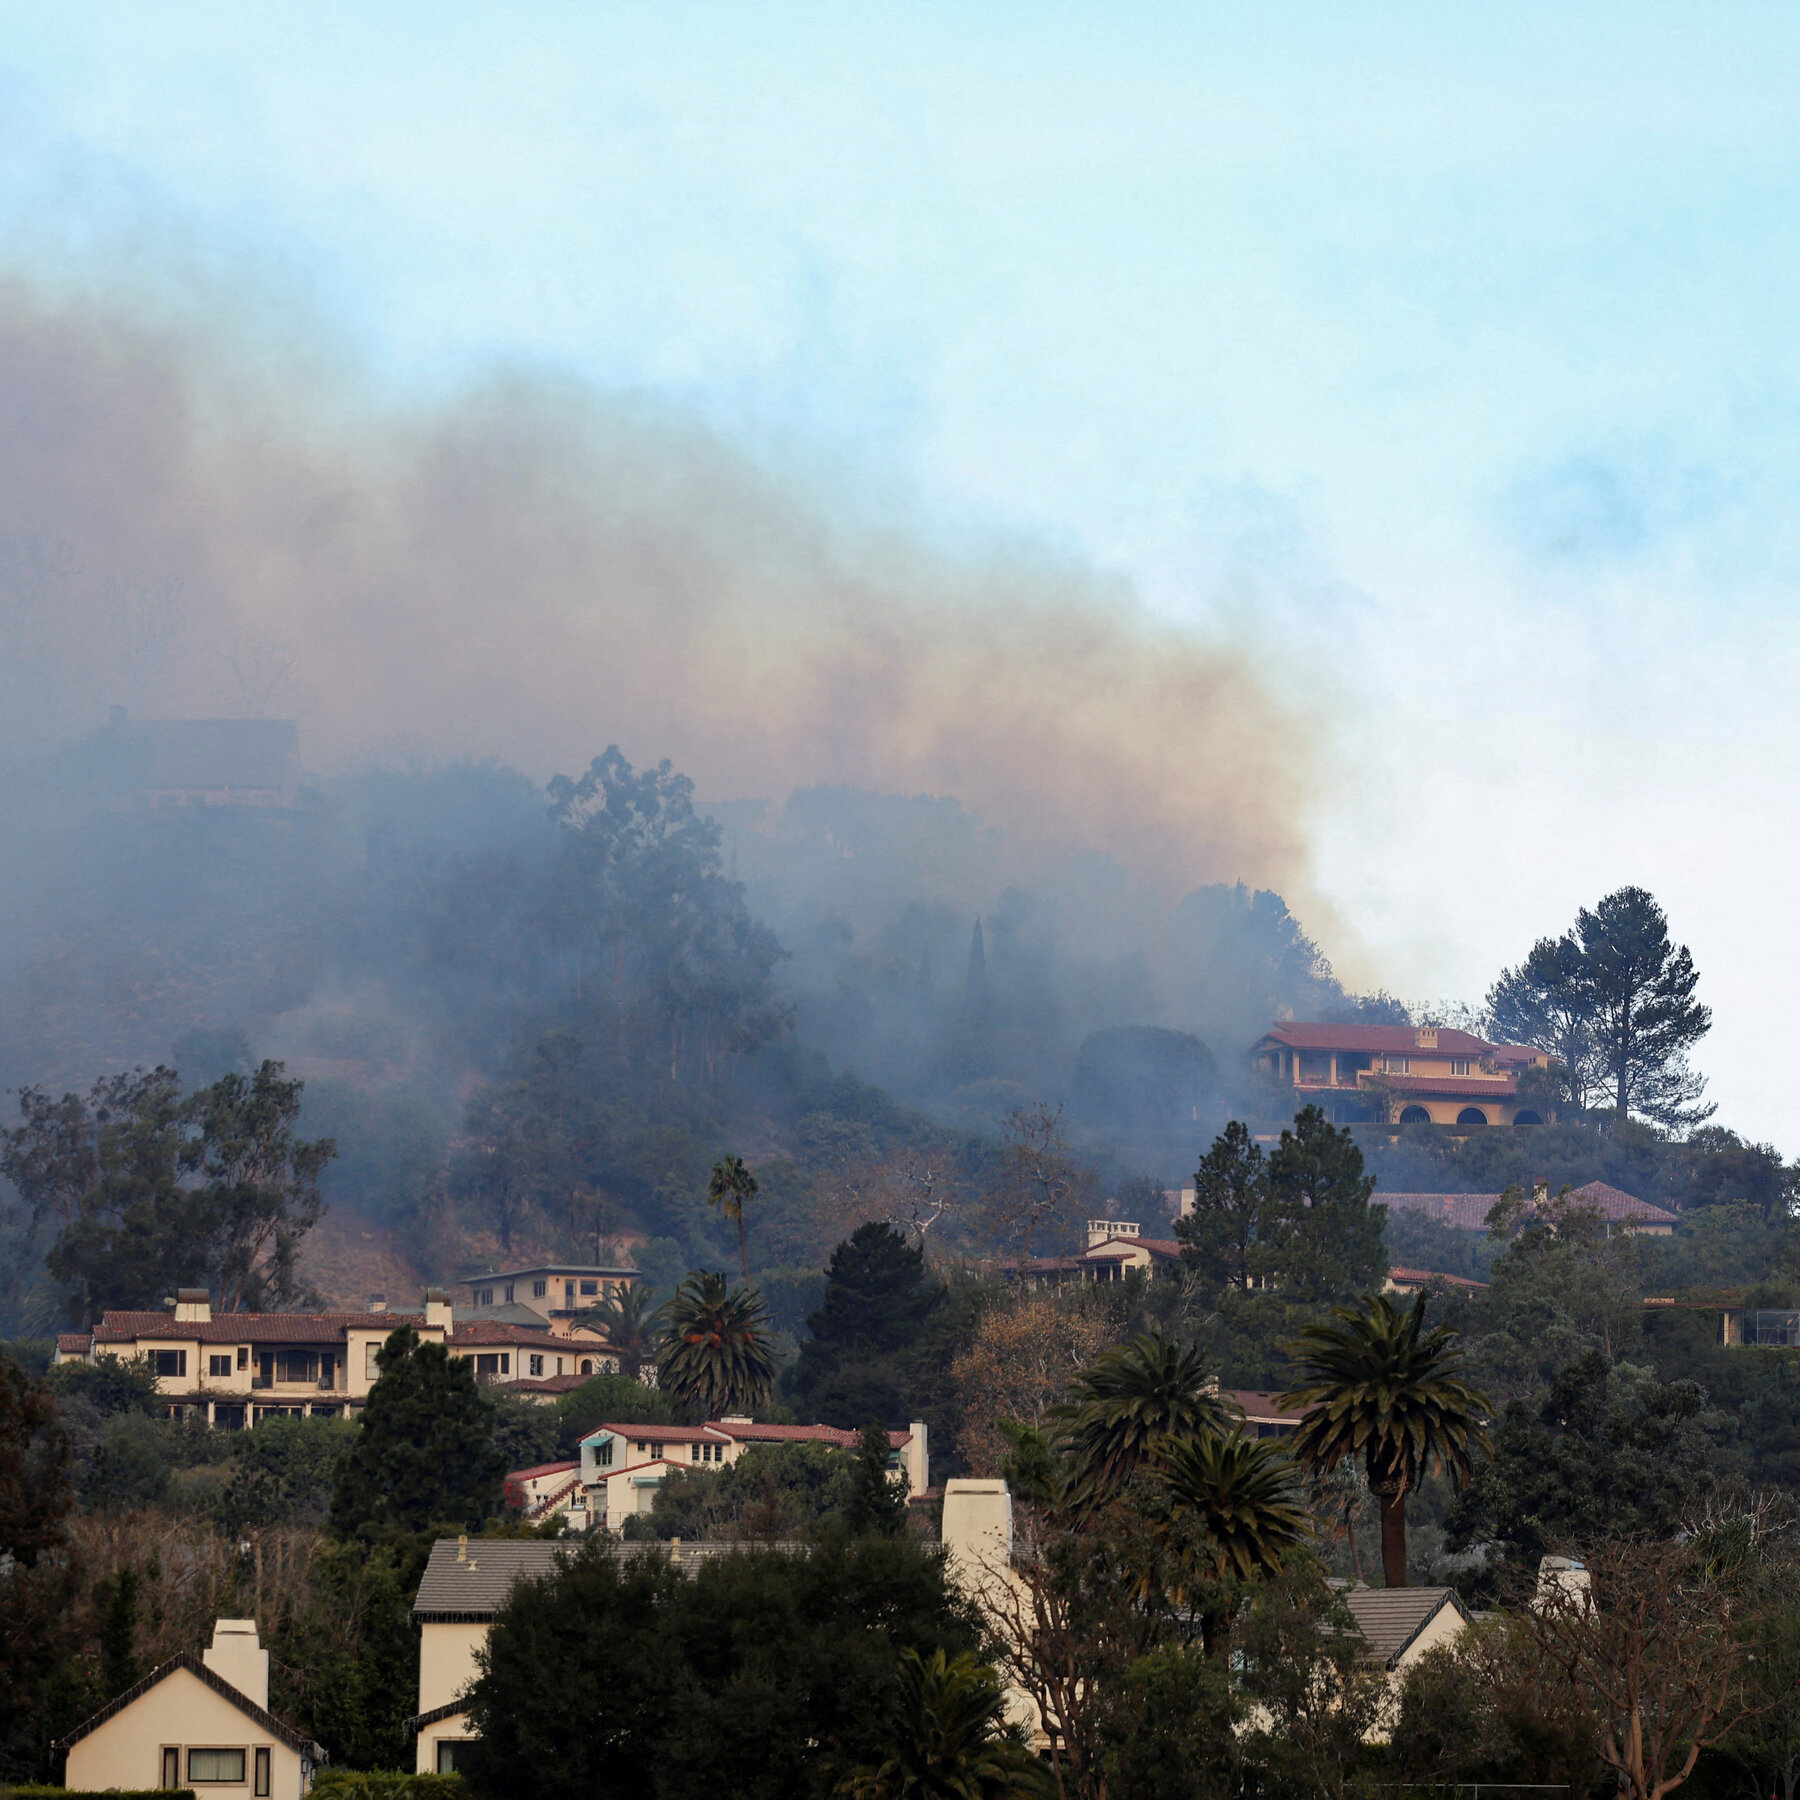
[(1527, 1118), (587, 1365), (1415, 1115), (1471, 1115)]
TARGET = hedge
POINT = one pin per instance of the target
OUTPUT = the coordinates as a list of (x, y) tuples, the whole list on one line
[(384, 1784)]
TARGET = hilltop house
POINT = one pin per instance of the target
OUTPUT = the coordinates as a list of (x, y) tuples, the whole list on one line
[(1401, 1074), (1114, 1247), (1618, 1210), (234, 1369), (623, 1465), (559, 1291), (200, 1722)]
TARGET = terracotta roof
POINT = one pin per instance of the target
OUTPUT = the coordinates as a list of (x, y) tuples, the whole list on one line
[(476, 1589), (247, 1328), (755, 1433), (1386, 1040), (1156, 1246), (495, 1332), (540, 1470), (656, 1434), (264, 1719), (69, 1342), (1260, 1406), (548, 1384), (1468, 1212), (1421, 1276), (1391, 1618)]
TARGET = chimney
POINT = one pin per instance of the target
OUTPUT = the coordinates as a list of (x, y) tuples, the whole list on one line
[(977, 1534), (378, 1303), (236, 1656), (917, 1459), (1099, 1230), (462, 1546), (193, 1306), (437, 1308), (1426, 1037)]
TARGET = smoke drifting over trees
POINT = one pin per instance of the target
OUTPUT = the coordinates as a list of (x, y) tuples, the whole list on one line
[(972, 806)]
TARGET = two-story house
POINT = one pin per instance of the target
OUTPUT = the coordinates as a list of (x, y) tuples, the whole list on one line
[(561, 1292), (1114, 1248), (237, 1368), (1400, 1074)]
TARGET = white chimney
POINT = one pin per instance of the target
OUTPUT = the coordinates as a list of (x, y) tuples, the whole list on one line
[(437, 1308), (236, 1656), (978, 1534), (193, 1306), (378, 1303), (917, 1458), (1099, 1230)]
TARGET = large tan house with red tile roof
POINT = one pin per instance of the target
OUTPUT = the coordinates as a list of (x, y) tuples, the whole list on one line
[(1402, 1074)]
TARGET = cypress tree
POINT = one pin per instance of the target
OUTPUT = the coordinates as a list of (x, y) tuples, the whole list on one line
[(877, 1503), (424, 1453)]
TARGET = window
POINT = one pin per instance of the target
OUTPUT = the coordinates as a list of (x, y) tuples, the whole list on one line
[(537, 1365), (587, 1365), (1459, 1065), (262, 1770), (1396, 1065), (169, 1362), (218, 1365), (590, 1287), (446, 1755), (704, 1453), (243, 1356), (371, 1350), (488, 1364), (171, 1769), (215, 1765), (603, 1455), (484, 1297), (296, 1365), (539, 1289), (509, 1293), (578, 1502), (568, 1293)]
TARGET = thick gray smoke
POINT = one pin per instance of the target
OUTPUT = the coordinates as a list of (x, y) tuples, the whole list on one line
[(533, 569)]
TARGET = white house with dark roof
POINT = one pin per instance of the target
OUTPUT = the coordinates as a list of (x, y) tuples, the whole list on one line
[(197, 1721)]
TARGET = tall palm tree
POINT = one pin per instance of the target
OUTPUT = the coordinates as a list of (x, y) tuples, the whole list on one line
[(728, 1187), (949, 1741), (1134, 1396), (1376, 1385), (1242, 1492), (714, 1351), (628, 1321)]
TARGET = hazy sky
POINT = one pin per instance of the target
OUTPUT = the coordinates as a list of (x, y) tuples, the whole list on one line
[(1441, 358)]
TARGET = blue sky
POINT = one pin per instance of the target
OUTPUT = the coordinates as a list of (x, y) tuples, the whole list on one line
[(1443, 358)]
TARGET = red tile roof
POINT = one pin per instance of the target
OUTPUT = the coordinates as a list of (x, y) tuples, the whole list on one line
[(756, 1433), (72, 1343), (1420, 1276), (1466, 1087), (539, 1470), (486, 1332), (658, 1434), (548, 1384), (247, 1328), (1156, 1246), (1615, 1203), (1385, 1040), (1260, 1406), (1468, 1212)]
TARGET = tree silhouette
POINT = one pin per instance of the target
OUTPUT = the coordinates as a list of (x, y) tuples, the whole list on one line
[(728, 1188), (714, 1351)]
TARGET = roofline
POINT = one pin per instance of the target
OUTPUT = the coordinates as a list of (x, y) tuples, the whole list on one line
[(551, 1269), (301, 1746), (438, 1714), (1450, 1598)]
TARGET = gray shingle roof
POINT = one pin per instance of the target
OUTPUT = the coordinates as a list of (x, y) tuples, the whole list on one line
[(296, 1741), (478, 1587), (1390, 1618)]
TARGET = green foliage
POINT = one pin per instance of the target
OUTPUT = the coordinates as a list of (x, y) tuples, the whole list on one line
[(1326, 1236), (117, 1597), (876, 1502), (627, 1317), (1231, 1196), (772, 1493), (715, 1353), (129, 1468), (35, 1494), (1243, 1494), (624, 1675), (152, 1188), (109, 1384), (1122, 1410), (424, 1452), (283, 1471), (525, 1433), (731, 1187), (613, 1399), (949, 1740), (1173, 1731), (384, 1784), (861, 1359), (1380, 1389)]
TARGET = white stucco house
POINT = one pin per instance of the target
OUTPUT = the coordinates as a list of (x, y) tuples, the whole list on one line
[(197, 1721)]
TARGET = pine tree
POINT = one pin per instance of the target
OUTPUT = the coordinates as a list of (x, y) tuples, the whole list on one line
[(424, 1454), (1328, 1238), (877, 1503)]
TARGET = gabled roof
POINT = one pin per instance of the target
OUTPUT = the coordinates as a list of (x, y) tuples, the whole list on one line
[(1614, 1203), (265, 1720), (615, 1270), (495, 1331), (540, 1470), (1156, 1247), (1468, 1212), (1391, 1618), (248, 1328), (477, 1588), (1381, 1040), (75, 1343)]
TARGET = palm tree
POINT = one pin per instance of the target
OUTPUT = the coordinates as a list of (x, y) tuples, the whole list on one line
[(1241, 1491), (714, 1351), (1136, 1395), (1377, 1386), (949, 1742), (729, 1186), (628, 1321)]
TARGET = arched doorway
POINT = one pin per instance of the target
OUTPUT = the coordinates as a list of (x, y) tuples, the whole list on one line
[(1471, 1115), (1526, 1118), (1415, 1115)]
